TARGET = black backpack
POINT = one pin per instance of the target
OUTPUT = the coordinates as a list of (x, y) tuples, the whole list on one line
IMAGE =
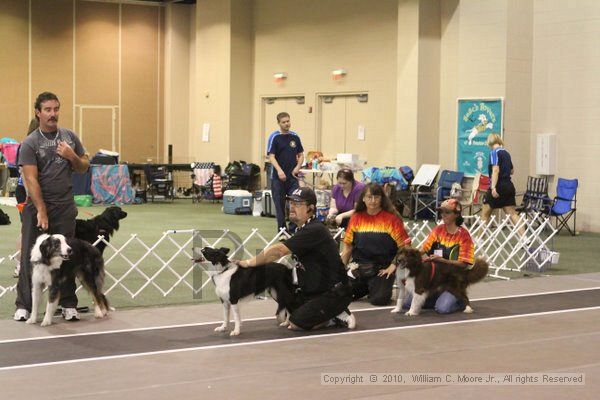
[(4, 218)]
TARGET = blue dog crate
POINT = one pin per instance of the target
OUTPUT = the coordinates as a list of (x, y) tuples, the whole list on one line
[(237, 202)]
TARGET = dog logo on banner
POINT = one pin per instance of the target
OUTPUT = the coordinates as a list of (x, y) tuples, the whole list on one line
[(476, 120)]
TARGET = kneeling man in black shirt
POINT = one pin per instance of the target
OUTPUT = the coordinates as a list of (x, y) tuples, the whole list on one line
[(325, 292)]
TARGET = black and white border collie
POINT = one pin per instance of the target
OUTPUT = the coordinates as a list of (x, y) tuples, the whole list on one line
[(422, 278), (54, 259), (233, 283)]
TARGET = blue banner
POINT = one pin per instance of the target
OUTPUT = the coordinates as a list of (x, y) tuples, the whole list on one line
[(476, 120)]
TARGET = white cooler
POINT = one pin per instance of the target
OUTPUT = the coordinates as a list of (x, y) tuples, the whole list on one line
[(237, 202)]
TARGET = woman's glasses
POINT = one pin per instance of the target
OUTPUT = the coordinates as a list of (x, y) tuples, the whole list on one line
[(372, 197)]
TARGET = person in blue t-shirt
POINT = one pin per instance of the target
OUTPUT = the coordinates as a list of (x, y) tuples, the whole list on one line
[(501, 193), (270, 143), (272, 136), (286, 156)]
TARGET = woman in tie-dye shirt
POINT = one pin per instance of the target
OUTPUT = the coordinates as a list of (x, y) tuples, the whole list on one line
[(448, 243), (374, 235)]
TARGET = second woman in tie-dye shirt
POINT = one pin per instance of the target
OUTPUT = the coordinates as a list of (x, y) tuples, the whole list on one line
[(448, 243), (374, 235)]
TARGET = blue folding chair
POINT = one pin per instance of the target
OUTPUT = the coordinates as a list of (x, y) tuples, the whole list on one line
[(564, 205), (447, 179)]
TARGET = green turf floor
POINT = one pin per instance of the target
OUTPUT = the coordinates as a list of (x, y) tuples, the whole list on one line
[(149, 221)]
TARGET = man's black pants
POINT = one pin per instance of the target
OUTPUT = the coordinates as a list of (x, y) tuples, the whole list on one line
[(61, 219), (317, 309)]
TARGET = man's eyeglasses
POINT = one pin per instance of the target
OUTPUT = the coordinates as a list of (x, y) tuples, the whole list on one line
[(447, 212)]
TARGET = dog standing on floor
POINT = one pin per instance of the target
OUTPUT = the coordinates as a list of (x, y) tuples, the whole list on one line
[(233, 284), (54, 259), (104, 224), (424, 278)]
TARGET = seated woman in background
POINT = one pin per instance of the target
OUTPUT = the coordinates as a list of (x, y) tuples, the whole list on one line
[(344, 196), (373, 237)]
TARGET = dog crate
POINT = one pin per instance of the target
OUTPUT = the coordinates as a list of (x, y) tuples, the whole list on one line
[(237, 202)]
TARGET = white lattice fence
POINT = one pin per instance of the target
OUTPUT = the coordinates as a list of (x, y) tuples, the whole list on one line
[(11, 263), (500, 242), (167, 264)]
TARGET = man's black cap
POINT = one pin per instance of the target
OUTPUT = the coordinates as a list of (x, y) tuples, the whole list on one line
[(304, 194)]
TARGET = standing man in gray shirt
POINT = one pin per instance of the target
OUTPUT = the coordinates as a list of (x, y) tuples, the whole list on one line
[(48, 157)]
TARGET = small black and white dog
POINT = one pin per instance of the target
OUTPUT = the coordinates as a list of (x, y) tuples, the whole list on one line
[(104, 224), (423, 278), (54, 259), (233, 283)]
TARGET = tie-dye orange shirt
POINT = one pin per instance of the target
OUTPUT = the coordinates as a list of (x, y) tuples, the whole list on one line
[(375, 239), (455, 246)]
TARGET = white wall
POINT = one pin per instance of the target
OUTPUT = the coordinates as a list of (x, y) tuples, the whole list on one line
[(177, 82), (308, 39), (566, 95), (407, 88), (472, 62), (212, 80)]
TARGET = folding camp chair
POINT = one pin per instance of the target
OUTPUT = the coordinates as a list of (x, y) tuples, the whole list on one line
[(203, 181), (564, 205), (468, 196), (474, 197), (423, 196), (158, 182), (535, 198), (447, 179), (213, 190), (485, 182)]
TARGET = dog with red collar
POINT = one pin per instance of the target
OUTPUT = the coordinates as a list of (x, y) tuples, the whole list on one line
[(426, 277)]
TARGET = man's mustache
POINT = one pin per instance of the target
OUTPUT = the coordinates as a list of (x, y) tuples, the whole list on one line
[(53, 119)]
